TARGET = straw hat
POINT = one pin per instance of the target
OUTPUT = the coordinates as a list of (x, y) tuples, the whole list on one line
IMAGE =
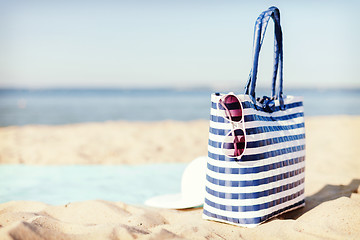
[(192, 188)]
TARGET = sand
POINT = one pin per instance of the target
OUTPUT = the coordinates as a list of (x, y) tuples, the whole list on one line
[(332, 208), (104, 143)]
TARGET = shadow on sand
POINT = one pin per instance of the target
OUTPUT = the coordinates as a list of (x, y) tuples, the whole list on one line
[(327, 193)]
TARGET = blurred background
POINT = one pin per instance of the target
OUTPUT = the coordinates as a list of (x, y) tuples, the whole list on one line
[(80, 61)]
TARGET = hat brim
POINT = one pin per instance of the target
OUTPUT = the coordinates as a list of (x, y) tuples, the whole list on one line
[(173, 201)]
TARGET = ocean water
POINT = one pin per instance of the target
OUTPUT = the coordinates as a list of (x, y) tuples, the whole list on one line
[(66, 106), (58, 185)]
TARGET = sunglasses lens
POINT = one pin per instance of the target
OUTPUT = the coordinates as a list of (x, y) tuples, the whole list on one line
[(234, 143), (231, 108)]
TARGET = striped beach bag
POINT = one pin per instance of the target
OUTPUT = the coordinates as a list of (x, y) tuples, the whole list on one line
[(256, 150)]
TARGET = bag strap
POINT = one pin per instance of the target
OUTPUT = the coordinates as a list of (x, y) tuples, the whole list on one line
[(263, 19), (259, 33)]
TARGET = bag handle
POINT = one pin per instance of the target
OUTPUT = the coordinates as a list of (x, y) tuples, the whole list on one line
[(264, 20), (259, 33)]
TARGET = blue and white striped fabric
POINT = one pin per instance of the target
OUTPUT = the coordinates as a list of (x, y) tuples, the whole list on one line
[(268, 178)]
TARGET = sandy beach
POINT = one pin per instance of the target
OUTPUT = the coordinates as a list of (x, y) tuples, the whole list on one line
[(332, 190)]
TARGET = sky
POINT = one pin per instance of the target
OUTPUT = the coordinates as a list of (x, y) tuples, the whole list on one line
[(178, 44)]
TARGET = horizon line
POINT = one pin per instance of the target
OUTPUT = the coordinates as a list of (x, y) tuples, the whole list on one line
[(174, 88)]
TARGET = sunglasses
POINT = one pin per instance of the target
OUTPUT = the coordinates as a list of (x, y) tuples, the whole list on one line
[(234, 143)]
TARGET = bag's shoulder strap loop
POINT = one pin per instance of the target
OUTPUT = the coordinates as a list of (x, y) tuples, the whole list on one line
[(259, 33)]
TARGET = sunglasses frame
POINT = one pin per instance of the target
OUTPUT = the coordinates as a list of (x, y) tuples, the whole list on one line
[(234, 124)]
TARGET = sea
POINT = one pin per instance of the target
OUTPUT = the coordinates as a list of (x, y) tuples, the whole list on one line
[(66, 106), (131, 184)]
